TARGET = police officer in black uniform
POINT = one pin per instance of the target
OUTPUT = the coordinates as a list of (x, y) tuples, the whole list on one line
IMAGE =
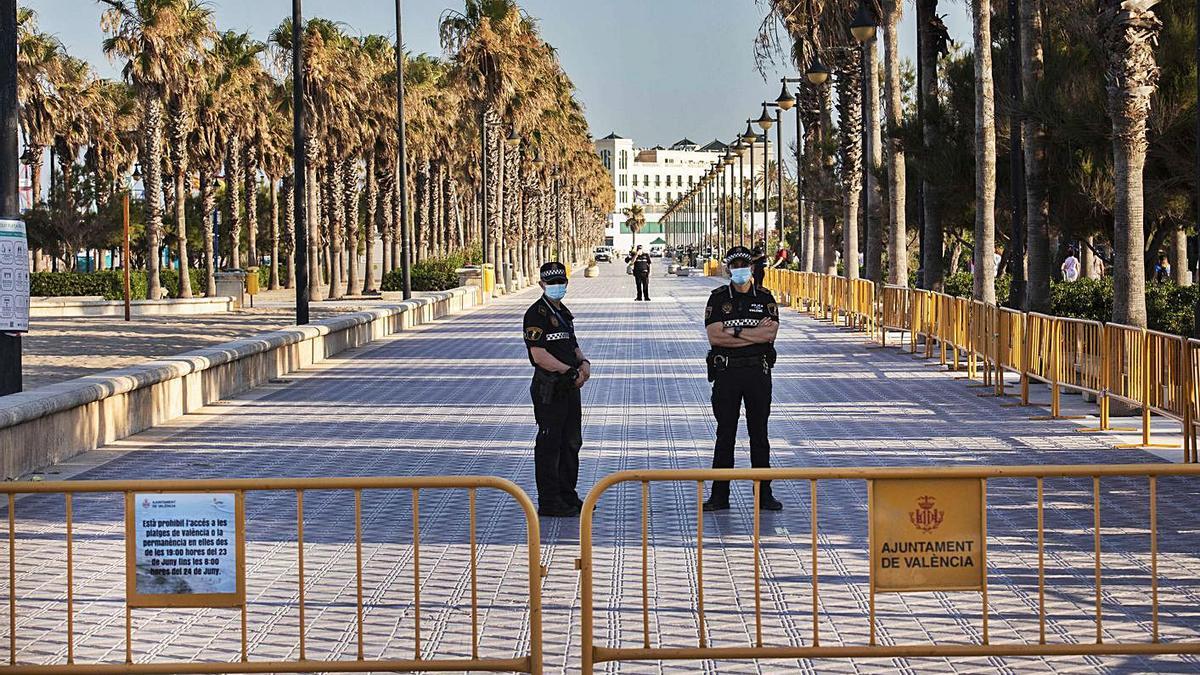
[(741, 320), (560, 371), (641, 273)]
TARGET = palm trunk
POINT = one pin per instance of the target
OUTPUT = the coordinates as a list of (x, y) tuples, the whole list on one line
[(289, 228), (335, 221), (850, 131), (1177, 252), (208, 201), (273, 280), (350, 186), (985, 155), (1131, 31), (152, 129), (313, 213), (934, 239), (894, 153), (369, 224), (250, 167), (875, 220), (387, 213), (1089, 262), (233, 184), (1037, 189)]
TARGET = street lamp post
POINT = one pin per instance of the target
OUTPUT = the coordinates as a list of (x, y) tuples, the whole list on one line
[(750, 137), (403, 155), (299, 167), (786, 102), (765, 122)]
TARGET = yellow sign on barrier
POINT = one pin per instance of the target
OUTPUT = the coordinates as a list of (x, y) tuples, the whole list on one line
[(927, 535)]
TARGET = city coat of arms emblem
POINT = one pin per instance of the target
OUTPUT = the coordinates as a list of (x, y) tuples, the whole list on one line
[(926, 518)]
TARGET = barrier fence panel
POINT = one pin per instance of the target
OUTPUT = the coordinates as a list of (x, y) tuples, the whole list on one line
[(184, 545), (1155, 372), (926, 530), (1010, 348)]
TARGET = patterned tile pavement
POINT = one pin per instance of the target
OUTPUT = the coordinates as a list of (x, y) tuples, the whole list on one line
[(452, 398)]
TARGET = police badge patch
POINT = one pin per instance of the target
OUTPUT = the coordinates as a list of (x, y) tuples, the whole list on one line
[(727, 308), (708, 312), (773, 309), (533, 333), (554, 321)]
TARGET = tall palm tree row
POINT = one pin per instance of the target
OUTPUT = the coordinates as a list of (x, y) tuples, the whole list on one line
[(1121, 192), (204, 115)]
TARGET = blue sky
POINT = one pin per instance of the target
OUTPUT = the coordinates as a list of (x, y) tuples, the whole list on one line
[(651, 70)]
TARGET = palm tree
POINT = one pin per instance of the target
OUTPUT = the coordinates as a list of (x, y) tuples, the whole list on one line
[(1129, 30), (934, 43), (985, 154), (894, 151), (635, 219), (1037, 189), (158, 39)]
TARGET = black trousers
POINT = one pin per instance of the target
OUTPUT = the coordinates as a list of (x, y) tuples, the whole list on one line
[(642, 281), (556, 452), (759, 276), (733, 387)]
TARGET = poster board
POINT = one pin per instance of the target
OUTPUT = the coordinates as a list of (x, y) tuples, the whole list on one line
[(14, 277), (185, 549), (928, 535)]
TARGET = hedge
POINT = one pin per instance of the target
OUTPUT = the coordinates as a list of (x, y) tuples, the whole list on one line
[(1169, 308), (107, 283), (434, 274)]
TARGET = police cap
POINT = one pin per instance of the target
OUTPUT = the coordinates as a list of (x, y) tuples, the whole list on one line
[(554, 273), (738, 253)]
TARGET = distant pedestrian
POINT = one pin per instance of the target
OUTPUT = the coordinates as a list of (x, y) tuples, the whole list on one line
[(640, 260), (759, 263), (1162, 271), (1070, 267), (560, 371)]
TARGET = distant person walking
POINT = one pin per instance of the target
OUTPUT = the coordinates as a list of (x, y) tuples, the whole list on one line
[(641, 273), (1070, 267)]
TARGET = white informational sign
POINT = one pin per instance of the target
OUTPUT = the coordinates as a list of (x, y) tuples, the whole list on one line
[(186, 543), (14, 277)]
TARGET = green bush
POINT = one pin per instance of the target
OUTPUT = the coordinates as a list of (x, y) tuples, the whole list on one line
[(107, 283), (434, 274)]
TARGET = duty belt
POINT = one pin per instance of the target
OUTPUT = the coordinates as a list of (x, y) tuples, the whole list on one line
[(723, 362)]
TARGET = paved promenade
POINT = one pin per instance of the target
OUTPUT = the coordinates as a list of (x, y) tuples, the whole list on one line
[(452, 398)]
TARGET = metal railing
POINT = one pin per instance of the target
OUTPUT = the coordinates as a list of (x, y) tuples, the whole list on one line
[(354, 489), (1153, 372), (760, 648)]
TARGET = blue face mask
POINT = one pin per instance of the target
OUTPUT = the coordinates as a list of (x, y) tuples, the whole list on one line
[(740, 275), (556, 291)]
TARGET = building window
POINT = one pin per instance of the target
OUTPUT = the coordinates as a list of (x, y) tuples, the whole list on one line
[(680, 179), (668, 181), (657, 181), (657, 197), (691, 181)]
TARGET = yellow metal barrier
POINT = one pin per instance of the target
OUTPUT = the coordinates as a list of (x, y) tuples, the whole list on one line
[(354, 488), (960, 645), (1155, 371)]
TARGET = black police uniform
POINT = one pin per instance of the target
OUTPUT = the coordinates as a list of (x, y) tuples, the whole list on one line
[(641, 275), (760, 265), (741, 374), (556, 406)]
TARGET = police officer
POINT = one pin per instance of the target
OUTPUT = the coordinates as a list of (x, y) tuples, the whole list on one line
[(560, 371), (741, 320), (641, 273)]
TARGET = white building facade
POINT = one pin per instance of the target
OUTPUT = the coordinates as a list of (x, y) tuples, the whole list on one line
[(654, 178)]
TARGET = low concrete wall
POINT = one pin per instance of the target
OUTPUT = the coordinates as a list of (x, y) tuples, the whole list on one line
[(47, 425), (73, 307)]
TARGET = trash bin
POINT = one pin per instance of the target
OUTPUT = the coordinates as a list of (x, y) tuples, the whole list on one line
[(252, 280), (489, 279), (232, 284)]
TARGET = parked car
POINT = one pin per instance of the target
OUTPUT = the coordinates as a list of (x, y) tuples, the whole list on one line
[(656, 251), (602, 254)]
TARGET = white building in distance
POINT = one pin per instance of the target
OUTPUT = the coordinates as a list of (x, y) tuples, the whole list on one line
[(655, 177)]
